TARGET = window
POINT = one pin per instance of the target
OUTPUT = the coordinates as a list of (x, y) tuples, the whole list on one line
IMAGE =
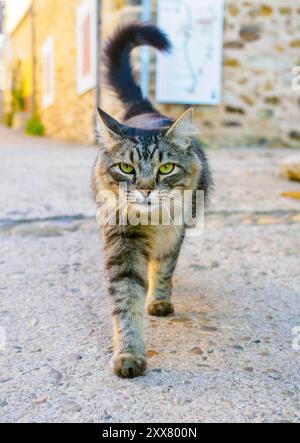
[(48, 73), (86, 46)]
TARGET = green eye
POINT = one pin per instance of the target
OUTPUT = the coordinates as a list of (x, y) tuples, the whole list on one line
[(127, 169), (167, 169)]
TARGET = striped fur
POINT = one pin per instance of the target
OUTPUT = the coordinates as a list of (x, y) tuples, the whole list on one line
[(140, 260)]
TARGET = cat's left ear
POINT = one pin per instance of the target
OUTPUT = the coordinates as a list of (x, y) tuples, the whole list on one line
[(109, 126), (182, 129)]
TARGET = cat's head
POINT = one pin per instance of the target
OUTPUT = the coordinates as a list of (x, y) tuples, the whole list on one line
[(148, 163)]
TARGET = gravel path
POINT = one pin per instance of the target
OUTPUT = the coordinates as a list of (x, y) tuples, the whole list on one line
[(227, 355)]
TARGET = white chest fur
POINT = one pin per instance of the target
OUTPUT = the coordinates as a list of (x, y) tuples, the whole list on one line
[(165, 240)]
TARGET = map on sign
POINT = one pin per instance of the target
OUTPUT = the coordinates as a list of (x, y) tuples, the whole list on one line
[(192, 73)]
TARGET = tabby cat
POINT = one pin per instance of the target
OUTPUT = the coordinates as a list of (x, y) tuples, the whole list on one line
[(149, 153)]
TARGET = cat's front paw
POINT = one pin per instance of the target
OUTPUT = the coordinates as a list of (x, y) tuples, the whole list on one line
[(127, 365), (160, 308)]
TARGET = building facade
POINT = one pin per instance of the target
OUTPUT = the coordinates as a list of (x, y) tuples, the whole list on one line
[(44, 68), (54, 70)]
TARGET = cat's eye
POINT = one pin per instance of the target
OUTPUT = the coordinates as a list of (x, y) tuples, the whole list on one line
[(167, 169), (127, 169)]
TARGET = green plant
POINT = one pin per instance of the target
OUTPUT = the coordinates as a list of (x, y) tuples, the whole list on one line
[(9, 119), (34, 126), (19, 103), (17, 94)]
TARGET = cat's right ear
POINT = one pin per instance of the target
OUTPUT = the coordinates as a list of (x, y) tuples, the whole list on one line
[(108, 126)]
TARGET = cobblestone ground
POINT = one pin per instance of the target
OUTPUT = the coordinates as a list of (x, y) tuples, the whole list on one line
[(231, 351)]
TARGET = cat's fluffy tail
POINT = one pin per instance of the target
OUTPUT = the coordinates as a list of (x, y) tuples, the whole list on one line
[(119, 72)]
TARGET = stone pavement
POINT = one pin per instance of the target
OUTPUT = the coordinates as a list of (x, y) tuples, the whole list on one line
[(230, 353)]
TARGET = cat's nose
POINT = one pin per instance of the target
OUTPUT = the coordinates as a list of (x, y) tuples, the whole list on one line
[(146, 192)]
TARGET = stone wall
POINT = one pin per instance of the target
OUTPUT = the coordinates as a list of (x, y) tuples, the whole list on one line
[(261, 46), (71, 117)]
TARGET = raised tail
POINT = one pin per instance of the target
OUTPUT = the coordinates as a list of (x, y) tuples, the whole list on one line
[(119, 73)]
